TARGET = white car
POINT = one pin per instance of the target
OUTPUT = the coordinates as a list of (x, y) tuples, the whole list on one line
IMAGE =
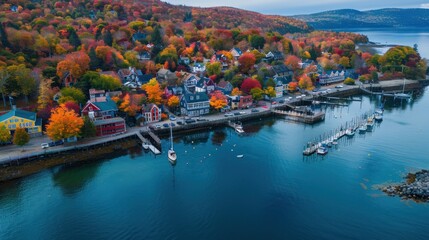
[(229, 115), (242, 112), (298, 97), (44, 145)]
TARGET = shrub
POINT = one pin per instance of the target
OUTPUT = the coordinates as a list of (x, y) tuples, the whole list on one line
[(349, 81)]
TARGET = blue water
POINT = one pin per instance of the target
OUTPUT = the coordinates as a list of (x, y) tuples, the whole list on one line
[(400, 36), (273, 192)]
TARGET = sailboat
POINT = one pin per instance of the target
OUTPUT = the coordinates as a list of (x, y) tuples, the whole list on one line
[(402, 95), (172, 157)]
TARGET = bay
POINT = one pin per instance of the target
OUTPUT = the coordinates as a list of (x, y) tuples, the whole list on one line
[(273, 192), (400, 36)]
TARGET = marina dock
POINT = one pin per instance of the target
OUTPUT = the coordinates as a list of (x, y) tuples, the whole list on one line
[(301, 116)]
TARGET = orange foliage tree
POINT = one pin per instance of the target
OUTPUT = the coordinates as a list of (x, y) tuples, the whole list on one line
[(293, 61), (173, 101), (218, 100), (305, 82), (247, 60), (131, 104), (76, 64), (153, 90), (236, 92), (63, 123)]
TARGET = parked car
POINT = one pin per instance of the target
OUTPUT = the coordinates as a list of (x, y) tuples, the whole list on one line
[(254, 110), (229, 115), (45, 145), (282, 101), (190, 120), (242, 112), (201, 119), (172, 117), (165, 125), (339, 86), (172, 124), (56, 143), (274, 103), (180, 122)]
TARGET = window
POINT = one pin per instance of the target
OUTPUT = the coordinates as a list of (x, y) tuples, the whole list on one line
[(191, 98), (198, 97)]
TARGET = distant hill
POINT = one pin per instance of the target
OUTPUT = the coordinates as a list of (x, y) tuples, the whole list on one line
[(228, 18), (381, 18)]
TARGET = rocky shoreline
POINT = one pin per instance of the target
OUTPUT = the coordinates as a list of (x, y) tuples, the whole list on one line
[(415, 188)]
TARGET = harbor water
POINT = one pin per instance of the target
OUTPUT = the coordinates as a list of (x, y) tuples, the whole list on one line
[(272, 192)]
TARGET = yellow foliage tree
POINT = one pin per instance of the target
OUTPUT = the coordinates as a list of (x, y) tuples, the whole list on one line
[(236, 92), (270, 91), (63, 123), (131, 104), (305, 83), (153, 90)]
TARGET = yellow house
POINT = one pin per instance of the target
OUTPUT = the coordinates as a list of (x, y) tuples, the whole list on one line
[(24, 119)]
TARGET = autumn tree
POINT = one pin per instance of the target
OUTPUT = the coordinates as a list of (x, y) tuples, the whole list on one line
[(218, 100), (21, 137), (270, 92), (72, 93), (305, 82), (246, 61), (344, 61), (131, 104), (173, 101), (76, 64), (63, 123), (293, 61), (236, 92), (46, 94), (248, 84), (4, 134), (106, 82), (154, 92), (213, 68), (257, 93), (292, 86)]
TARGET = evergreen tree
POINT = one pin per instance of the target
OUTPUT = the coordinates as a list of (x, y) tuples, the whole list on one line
[(74, 39), (3, 37), (95, 62), (88, 128), (156, 36), (107, 38)]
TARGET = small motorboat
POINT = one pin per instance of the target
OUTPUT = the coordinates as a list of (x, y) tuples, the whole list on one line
[(240, 156), (363, 128), (322, 151), (378, 117), (145, 145)]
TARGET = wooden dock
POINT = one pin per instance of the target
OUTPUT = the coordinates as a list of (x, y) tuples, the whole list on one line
[(151, 147), (301, 117), (154, 138)]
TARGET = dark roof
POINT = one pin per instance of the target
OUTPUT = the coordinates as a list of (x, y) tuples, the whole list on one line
[(283, 80), (148, 107), (280, 68), (195, 97), (19, 113), (108, 121), (145, 78)]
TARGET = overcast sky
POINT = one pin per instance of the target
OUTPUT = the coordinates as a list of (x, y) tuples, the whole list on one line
[(293, 7)]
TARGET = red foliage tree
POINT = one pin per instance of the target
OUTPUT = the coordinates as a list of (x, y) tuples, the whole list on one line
[(247, 60), (248, 84), (71, 105)]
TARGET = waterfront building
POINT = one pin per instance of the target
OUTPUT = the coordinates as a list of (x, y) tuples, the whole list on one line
[(240, 102), (194, 104), (100, 108), (17, 118), (110, 126)]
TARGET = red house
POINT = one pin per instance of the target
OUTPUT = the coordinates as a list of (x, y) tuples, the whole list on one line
[(151, 113)]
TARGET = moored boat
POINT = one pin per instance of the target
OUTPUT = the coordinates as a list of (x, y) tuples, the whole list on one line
[(350, 132), (145, 145), (172, 157), (378, 117), (322, 151), (362, 128)]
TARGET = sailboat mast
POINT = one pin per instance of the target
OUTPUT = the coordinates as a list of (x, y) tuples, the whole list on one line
[(171, 137)]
